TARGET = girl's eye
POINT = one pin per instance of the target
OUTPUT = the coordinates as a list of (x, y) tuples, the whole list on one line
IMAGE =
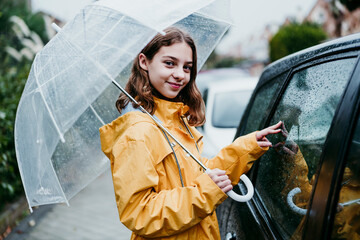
[(187, 68), (169, 63)]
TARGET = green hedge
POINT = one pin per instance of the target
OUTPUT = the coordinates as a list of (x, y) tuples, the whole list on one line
[(295, 37), (13, 75)]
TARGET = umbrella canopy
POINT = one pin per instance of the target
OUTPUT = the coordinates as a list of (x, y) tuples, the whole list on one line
[(69, 95)]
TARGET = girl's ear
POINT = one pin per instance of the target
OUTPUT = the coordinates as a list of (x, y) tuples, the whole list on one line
[(143, 61)]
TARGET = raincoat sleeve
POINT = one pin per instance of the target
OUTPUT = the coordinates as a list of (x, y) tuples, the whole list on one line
[(142, 208), (237, 158)]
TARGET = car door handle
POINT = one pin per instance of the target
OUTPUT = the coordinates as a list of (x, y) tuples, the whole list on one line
[(230, 236)]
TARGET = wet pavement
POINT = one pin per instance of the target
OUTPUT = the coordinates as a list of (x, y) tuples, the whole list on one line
[(92, 215)]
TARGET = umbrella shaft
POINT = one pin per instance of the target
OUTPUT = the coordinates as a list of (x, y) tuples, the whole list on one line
[(159, 124), (350, 202)]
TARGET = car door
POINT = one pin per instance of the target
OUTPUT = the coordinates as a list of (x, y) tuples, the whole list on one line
[(343, 217), (334, 208), (306, 98)]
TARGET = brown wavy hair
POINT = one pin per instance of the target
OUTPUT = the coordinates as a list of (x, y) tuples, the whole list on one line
[(139, 87)]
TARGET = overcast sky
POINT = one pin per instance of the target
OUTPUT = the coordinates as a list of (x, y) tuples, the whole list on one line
[(252, 16), (249, 17)]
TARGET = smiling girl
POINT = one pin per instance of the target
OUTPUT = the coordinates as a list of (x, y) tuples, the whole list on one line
[(160, 191)]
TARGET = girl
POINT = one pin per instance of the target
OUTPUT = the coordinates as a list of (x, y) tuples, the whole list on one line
[(160, 191)]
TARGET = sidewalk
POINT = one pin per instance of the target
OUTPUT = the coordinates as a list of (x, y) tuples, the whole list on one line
[(92, 215)]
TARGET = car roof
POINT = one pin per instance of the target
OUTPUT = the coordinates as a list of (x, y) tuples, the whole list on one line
[(205, 77), (341, 44), (223, 71)]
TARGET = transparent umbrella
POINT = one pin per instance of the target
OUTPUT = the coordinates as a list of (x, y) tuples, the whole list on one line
[(69, 95)]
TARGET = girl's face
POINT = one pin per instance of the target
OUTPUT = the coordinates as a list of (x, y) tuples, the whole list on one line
[(169, 70)]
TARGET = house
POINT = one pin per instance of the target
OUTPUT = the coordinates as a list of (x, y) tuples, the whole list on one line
[(335, 18)]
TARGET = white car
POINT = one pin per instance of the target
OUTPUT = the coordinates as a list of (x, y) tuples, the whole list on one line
[(204, 78), (225, 104)]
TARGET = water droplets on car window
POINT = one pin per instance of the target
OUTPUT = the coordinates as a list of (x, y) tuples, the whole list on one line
[(307, 109), (260, 108)]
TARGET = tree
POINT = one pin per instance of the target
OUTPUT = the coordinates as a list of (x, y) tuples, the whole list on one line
[(21, 35), (295, 37)]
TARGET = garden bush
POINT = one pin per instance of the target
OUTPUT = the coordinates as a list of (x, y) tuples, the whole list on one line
[(21, 32)]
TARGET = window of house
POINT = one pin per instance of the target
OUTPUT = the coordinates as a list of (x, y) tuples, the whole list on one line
[(307, 109)]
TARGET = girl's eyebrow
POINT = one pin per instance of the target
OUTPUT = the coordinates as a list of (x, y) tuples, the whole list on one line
[(175, 59)]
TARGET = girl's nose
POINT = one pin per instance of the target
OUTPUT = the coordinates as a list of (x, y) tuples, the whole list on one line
[(179, 73)]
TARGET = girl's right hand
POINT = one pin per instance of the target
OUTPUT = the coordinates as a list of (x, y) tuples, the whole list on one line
[(261, 135), (221, 179)]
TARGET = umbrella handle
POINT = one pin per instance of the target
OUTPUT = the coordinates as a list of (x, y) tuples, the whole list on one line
[(238, 197)]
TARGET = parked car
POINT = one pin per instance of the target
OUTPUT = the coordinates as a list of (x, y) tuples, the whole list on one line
[(205, 77), (308, 186), (225, 103)]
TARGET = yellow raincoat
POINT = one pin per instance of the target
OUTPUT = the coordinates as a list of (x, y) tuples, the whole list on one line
[(150, 199)]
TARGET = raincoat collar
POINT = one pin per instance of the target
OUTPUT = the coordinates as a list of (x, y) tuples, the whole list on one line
[(163, 108), (168, 111)]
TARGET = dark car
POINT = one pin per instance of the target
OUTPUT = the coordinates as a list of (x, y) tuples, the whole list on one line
[(308, 185)]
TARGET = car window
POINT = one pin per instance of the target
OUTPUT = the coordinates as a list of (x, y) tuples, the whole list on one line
[(265, 97), (306, 108), (225, 103), (347, 219)]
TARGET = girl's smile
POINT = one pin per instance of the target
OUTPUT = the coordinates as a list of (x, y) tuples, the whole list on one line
[(175, 85), (169, 70)]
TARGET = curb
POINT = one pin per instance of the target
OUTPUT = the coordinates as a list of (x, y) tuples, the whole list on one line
[(12, 214), (22, 230)]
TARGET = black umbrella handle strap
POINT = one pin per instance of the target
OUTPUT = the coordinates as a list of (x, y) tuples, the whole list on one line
[(177, 162)]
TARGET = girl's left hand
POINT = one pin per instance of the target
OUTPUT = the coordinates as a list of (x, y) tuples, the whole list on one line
[(261, 135), (220, 179)]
